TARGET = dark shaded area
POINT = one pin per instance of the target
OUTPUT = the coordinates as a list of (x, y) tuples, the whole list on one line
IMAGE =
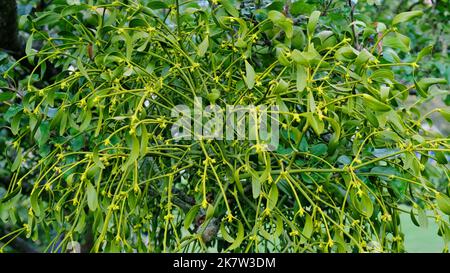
[(9, 38), (18, 244)]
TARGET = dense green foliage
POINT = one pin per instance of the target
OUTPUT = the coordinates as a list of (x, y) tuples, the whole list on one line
[(92, 158)]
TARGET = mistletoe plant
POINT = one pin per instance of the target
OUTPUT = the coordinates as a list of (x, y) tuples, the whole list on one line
[(95, 159)]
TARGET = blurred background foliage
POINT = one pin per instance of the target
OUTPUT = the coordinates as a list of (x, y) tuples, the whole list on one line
[(430, 29)]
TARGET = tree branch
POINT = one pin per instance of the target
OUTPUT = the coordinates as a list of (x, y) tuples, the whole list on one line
[(352, 18), (8, 26)]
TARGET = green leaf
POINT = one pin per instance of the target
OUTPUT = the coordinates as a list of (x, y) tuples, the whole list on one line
[(413, 218), (275, 5), (406, 16), (279, 226), (225, 235), (229, 7), (47, 19), (319, 149), (43, 133), (157, 5), (273, 196), (382, 75), (34, 202), (15, 123), (134, 152), (302, 76), (129, 45), (10, 195), (440, 157), (301, 7), (394, 119), (419, 89), (256, 187), (144, 140), (73, 2), (239, 238), (445, 113), (327, 39), (281, 55), (81, 222), (190, 216), (363, 57), (96, 158), (29, 47), (307, 58), (209, 212), (334, 141), (384, 92), (72, 9), (443, 202), (307, 229), (87, 117), (399, 41), (375, 104), (312, 22), (316, 123), (63, 124), (411, 162), (391, 56), (81, 68), (92, 198), (362, 204), (266, 235), (288, 28), (240, 43), (297, 56), (387, 137), (4, 96), (425, 51), (276, 17), (281, 87), (346, 53), (311, 103), (203, 47), (250, 75), (281, 21), (17, 161), (426, 83), (385, 172), (423, 219), (444, 231), (366, 205)]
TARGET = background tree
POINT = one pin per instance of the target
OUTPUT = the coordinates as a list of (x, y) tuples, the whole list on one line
[(8, 26)]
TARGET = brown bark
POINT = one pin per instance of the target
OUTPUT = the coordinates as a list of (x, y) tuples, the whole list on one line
[(9, 38)]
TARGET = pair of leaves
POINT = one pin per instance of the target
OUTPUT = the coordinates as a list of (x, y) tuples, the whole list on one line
[(397, 41), (235, 242), (282, 22), (423, 85)]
